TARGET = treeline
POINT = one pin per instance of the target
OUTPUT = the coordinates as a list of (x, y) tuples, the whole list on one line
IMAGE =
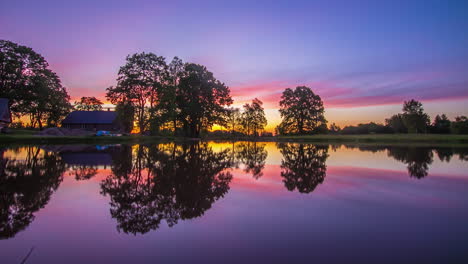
[(413, 119), (184, 99)]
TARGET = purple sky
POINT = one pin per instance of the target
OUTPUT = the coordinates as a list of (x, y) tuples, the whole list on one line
[(363, 57)]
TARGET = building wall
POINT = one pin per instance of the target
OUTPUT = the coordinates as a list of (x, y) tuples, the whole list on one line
[(93, 127)]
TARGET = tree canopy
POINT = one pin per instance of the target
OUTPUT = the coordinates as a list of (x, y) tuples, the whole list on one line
[(460, 125), (32, 89), (88, 104), (185, 95), (414, 118), (302, 112), (253, 119), (138, 83), (201, 99)]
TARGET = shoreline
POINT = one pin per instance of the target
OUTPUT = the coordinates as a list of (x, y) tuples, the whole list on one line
[(394, 139)]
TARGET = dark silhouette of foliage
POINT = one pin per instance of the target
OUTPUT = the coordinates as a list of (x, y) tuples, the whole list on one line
[(33, 89), (253, 119), (88, 104), (303, 166), (125, 115), (138, 83), (369, 128), (396, 124), (165, 182), (417, 159), (83, 172), (460, 125), (414, 118), (25, 187), (17, 65), (441, 125), (167, 109), (334, 129), (253, 155), (302, 112), (201, 99), (444, 153), (233, 120)]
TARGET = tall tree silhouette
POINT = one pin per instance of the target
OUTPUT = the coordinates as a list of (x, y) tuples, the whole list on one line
[(302, 112), (139, 83), (253, 119), (32, 88), (26, 186), (201, 99), (303, 166), (414, 117)]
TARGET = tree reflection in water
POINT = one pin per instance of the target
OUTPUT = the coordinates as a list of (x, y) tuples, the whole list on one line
[(83, 172), (253, 155), (165, 182), (417, 159), (303, 166), (26, 186)]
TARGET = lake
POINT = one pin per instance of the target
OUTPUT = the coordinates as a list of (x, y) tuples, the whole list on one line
[(245, 202)]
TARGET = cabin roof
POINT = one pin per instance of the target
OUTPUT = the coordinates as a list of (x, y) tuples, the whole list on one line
[(90, 117), (5, 114)]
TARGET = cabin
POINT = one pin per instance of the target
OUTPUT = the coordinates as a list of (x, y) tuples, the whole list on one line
[(5, 113), (92, 120)]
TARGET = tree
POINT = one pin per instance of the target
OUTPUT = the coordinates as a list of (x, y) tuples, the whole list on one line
[(32, 89), (396, 124), (368, 128), (441, 125), (138, 83), (253, 118), (414, 117), (201, 100), (125, 115), (460, 125), (89, 104), (334, 129), (18, 64), (233, 119), (302, 112), (47, 101)]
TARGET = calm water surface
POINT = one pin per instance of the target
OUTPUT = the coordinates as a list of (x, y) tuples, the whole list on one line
[(233, 203)]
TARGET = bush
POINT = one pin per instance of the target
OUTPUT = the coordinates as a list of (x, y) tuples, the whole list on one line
[(369, 128)]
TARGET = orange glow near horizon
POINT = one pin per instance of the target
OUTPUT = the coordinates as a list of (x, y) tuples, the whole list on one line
[(341, 115)]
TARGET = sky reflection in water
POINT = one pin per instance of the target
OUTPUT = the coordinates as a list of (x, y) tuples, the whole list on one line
[(224, 202)]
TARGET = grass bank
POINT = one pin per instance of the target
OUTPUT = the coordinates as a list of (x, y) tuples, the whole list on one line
[(427, 139), (21, 139)]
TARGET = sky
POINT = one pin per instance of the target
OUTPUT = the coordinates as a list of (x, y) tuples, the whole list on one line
[(364, 58)]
